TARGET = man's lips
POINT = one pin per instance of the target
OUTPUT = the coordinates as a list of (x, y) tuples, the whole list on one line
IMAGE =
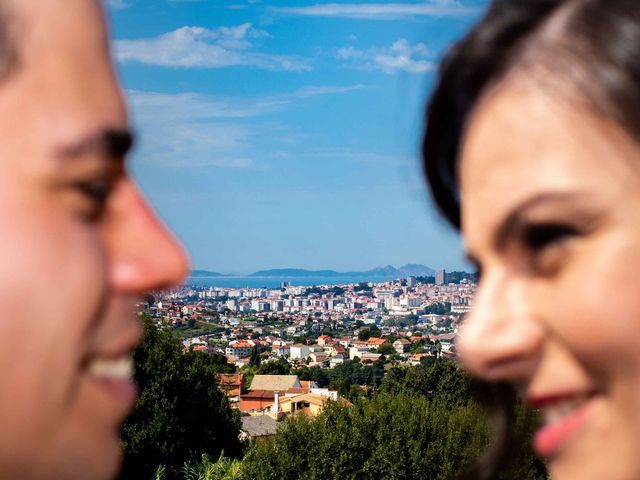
[(116, 369), (562, 416), (114, 378)]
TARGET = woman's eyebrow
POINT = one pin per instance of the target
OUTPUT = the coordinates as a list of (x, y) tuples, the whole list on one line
[(515, 219), (473, 260), (111, 142)]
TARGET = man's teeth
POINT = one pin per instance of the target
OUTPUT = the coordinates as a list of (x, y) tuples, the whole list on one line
[(119, 369), (554, 413)]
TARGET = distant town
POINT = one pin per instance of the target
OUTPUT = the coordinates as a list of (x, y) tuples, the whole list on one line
[(291, 319), (321, 325), (311, 329)]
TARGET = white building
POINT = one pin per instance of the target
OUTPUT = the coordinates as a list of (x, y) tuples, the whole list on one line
[(299, 351), (238, 349), (281, 350), (410, 301), (357, 352)]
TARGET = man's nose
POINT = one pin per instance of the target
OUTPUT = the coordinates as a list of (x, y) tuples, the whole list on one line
[(143, 254), (501, 338)]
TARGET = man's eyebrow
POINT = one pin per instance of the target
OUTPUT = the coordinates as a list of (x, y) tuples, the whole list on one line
[(516, 217), (112, 142)]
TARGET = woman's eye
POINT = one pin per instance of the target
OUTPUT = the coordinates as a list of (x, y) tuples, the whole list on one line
[(548, 247), (538, 237)]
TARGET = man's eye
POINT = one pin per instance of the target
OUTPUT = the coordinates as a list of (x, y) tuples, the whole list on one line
[(97, 193), (97, 190)]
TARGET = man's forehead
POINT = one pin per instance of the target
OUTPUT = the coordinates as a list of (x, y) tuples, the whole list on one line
[(51, 24), (64, 94)]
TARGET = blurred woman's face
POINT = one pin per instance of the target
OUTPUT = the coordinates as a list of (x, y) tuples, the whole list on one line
[(551, 214)]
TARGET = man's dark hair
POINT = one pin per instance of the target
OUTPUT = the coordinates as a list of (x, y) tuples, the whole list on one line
[(588, 51), (8, 51)]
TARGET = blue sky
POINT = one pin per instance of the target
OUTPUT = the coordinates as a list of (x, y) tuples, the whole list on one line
[(286, 134)]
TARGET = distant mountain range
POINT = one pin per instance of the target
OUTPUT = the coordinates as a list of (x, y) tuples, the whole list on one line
[(409, 270), (204, 273)]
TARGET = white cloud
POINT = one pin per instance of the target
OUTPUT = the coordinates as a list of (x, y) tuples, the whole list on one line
[(384, 11), (195, 106), (400, 56), (313, 90), (197, 47), (195, 130), (118, 4)]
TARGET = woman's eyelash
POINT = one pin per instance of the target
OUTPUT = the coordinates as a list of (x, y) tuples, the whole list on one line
[(537, 237)]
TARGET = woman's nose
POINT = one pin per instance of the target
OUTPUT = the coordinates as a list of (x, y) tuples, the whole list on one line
[(143, 254), (501, 337)]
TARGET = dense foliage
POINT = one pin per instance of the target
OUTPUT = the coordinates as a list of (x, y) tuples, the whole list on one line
[(405, 422), (387, 437), (438, 309), (181, 413), (205, 469), (420, 422)]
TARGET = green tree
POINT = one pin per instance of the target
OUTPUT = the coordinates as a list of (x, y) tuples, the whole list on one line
[(418, 346), (276, 367), (254, 358), (374, 331), (364, 335), (439, 309), (392, 437), (442, 382), (386, 349), (205, 469), (181, 413), (423, 423)]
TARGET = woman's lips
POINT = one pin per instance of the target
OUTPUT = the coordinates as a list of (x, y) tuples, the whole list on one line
[(562, 419)]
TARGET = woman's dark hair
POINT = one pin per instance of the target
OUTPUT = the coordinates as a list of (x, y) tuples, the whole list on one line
[(594, 50), (586, 51)]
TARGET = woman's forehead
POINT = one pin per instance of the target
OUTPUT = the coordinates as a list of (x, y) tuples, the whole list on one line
[(523, 142)]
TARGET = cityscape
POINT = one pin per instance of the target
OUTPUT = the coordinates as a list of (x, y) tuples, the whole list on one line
[(407, 321)]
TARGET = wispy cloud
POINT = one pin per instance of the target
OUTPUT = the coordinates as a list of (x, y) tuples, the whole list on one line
[(400, 56), (195, 106), (197, 47), (195, 130), (324, 90), (384, 11)]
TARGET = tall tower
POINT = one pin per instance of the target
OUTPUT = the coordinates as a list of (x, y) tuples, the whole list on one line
[(441, 277)]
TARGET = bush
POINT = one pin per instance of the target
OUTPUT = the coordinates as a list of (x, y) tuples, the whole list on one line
[(181, 413)]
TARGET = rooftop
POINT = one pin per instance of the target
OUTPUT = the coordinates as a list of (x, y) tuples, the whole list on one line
[(275, 382), (259, 426)]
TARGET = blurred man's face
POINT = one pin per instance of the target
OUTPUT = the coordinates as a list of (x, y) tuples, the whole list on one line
[(78, 247)]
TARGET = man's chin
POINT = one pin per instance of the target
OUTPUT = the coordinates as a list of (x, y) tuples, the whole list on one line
[(93, 459)]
